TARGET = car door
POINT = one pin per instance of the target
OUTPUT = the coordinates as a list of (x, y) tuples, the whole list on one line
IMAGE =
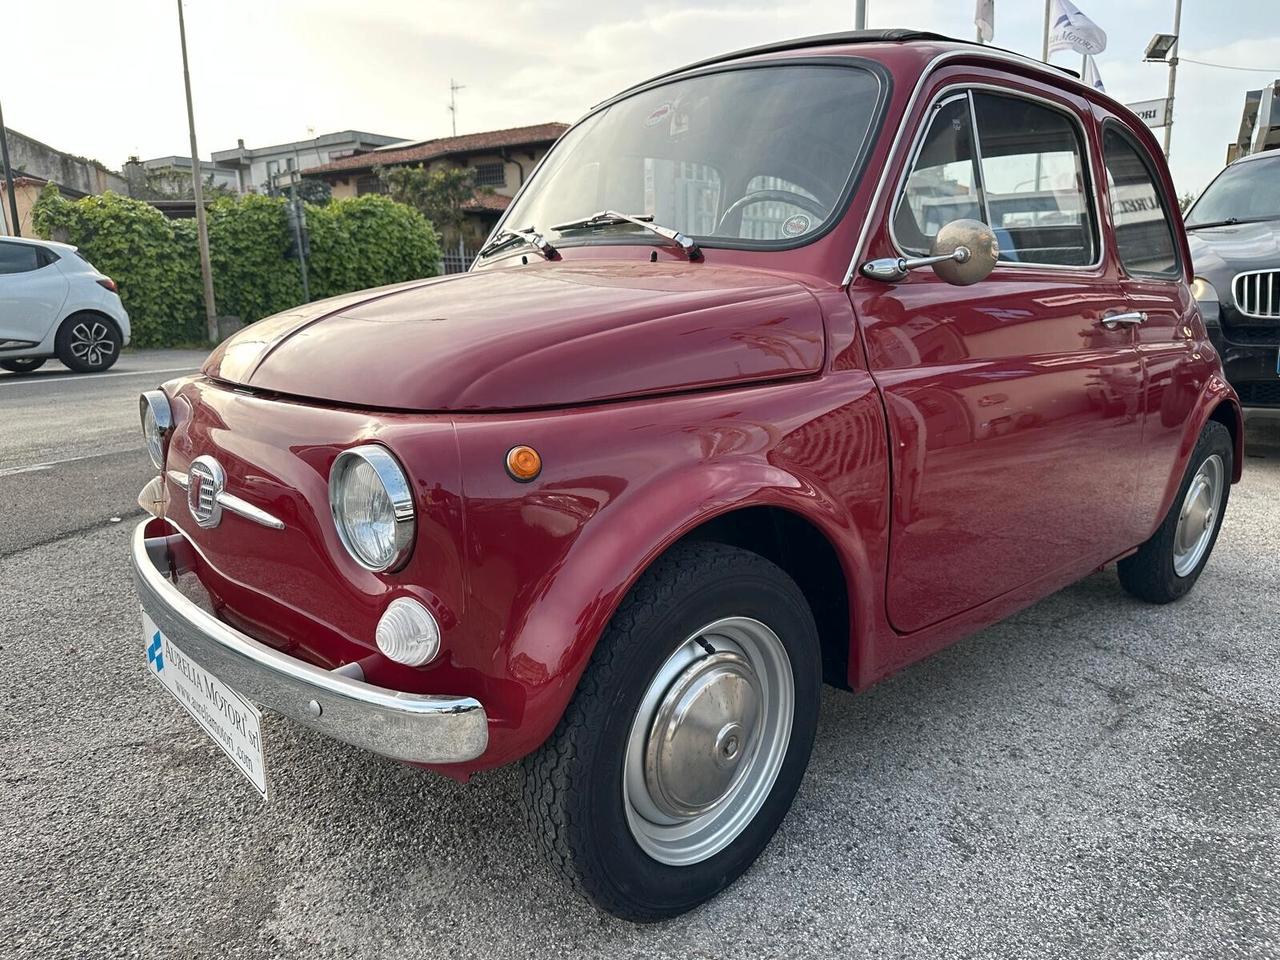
[(1175, 365), (32, 291), (1013, 404)]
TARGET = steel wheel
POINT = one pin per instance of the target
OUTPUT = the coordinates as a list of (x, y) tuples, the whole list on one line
[(708, 740), (91, 343), (1198, 516)]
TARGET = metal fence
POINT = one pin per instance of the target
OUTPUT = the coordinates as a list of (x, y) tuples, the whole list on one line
[(459, 259)]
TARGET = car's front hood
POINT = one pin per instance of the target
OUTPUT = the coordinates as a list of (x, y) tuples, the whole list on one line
[(545, 334), (1219, 253)]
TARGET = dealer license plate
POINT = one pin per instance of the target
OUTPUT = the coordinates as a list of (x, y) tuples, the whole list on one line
[(233, 722)]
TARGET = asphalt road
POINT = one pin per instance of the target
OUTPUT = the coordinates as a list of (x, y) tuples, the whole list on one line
[(71, 453), (1093, 778)]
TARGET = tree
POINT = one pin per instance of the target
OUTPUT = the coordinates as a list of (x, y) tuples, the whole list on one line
[(1185, 201), (437, 194)]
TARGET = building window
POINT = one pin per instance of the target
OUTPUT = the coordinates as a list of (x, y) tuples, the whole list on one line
[(369, 183), (491, 174)]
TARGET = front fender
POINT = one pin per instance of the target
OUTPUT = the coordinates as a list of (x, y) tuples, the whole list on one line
[(546, 570)]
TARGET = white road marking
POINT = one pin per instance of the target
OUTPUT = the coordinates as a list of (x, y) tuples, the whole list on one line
[(89, 377), (50, 464)]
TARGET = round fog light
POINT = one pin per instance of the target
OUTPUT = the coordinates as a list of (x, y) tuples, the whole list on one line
[(408, 633)]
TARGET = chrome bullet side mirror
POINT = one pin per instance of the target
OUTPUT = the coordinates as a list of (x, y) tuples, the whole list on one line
[(963, 252)]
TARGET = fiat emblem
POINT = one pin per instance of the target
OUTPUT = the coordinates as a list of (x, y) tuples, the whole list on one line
[(205, 482)]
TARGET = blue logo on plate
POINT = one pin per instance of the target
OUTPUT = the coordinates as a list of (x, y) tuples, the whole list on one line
[(154, 655)]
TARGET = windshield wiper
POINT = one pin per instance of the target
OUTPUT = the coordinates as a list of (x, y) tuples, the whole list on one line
[(507, 238), (606, 217), (1229, 222), (1214, 223)]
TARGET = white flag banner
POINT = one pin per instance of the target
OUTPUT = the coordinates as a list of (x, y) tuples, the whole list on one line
[(984, 18), (1091, 75), (1072, 30)]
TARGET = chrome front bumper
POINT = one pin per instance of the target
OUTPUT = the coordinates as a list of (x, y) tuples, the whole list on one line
[(421, 728)]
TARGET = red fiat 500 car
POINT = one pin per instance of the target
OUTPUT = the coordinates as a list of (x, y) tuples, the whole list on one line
[(792, 366)]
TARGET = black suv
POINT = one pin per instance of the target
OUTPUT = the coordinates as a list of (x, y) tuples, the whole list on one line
[(1234, 229)]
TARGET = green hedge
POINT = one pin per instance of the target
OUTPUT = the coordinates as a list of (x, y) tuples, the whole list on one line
[(356, 243)]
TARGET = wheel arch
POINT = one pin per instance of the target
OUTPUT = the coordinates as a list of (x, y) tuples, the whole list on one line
[(755, 505), (90, 312), (1229, 413), (801, 549)]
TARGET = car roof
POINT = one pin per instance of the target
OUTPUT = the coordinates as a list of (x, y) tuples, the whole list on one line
[(37, 242), (848, 38), (1272, 153)]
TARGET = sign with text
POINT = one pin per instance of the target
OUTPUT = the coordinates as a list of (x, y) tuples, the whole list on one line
[(229, 719), (1154, 113)]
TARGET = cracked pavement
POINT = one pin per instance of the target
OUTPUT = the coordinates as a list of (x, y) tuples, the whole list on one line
[(1092, 778)]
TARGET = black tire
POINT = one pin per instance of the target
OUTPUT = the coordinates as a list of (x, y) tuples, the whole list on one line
[(88, 342), (573, 796), (1149, 574), (23, 364)]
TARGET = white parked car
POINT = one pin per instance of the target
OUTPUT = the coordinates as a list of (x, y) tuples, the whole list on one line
[(55, 303)]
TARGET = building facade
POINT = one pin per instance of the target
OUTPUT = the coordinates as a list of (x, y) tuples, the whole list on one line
[(257, 168), (502, 160)]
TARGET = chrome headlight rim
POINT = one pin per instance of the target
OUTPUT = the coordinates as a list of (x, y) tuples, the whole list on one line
[(156, 404), (395, 483)]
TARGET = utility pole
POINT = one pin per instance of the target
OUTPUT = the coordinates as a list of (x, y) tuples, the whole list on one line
[(453, 103), (14, 227), (1044, 46), (860, 14), (1173, 74), (197, 188)]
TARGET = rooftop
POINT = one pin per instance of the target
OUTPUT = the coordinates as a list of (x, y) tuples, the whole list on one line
[(240, 151), (446, 146)]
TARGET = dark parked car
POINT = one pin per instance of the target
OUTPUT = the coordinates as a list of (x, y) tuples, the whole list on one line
[(1234, 229)]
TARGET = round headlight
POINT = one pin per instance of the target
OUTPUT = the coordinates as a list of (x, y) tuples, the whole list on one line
[(1203, 290), (372, 507), (157, 421), (408, 633)]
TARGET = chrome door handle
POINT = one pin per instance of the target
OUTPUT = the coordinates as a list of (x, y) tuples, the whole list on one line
[(1117, 320)]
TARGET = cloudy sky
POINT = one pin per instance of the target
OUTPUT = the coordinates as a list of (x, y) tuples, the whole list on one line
[(104, 79)]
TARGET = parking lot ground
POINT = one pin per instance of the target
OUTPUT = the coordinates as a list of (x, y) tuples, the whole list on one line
[(1092, 778)]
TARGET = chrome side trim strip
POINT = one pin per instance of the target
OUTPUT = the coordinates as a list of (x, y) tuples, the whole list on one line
[(232, 503), (416, 727)]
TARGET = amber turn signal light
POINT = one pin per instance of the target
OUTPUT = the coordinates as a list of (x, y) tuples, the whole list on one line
[(523, 463)]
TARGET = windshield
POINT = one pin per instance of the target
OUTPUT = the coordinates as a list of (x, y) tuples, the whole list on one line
[(743, 157), (1244, 191)]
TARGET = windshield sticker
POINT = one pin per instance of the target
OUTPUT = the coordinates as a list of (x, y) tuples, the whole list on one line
[(795, 225), (679, 123), (660, 113)]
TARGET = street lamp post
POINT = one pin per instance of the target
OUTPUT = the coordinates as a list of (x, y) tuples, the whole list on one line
[(860, 14), (197, 189), (14, 228), (1173, 75)]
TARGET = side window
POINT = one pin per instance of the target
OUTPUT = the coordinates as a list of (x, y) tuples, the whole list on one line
[(1144, 237), (943, 185), (1034, 175), (19, 258)]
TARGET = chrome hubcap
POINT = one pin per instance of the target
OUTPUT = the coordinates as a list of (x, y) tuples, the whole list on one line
[(708, 740), (1198, 516), (91, 342)]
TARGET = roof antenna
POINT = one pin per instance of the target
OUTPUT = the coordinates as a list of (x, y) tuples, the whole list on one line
[(454, 87)]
